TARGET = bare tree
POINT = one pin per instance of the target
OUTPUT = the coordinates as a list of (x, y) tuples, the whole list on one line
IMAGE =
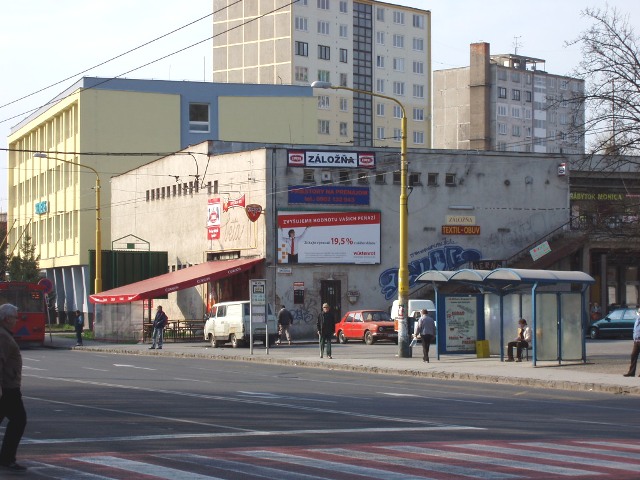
[(610, 67)]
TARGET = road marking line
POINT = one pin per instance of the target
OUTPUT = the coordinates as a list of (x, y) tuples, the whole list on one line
[(393, 394), (579, 449), (132, 366), (62, 473), (255, 433)]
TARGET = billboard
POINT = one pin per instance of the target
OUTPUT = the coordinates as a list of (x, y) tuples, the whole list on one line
[(328, 237), (330, 159)]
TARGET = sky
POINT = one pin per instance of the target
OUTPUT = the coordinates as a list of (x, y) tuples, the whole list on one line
[(53, 44)]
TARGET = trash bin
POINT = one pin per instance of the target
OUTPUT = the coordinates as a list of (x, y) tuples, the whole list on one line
[(482, 348)]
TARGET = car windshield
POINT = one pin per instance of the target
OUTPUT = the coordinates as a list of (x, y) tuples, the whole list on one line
[(376, 316)]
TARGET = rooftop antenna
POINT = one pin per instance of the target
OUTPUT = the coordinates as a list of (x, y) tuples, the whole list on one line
[(516, 44)]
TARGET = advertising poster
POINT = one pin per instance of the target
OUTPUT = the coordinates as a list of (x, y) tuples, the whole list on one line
[(462, 328), (213, 219), (329, 237)]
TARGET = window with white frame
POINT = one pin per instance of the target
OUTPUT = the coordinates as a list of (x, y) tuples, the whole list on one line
[(502, 74), (418, 67), (397, 134), (418, 138), (380, 85), (304, 3), (302, 49), (323, 27), (418, 114), (324, 75), (515, 112), (344, 55), (527, 132), (380, 61), (380, 38), (501, 109), (418, 44), (502, 92), (515, 130), (343, 129), (398, 64), (502, 146), (302, 74), (418, 91), (515, 94), (343, 79), (344, 31), (527, 78), (344, 104), (302, 24), (199, 117), (502, 128), (397, 111), (343, 6), (324, 52), (564, 119), (398, 17), (380, 14), (380, 109), (323, 4), (398, 88), (380, 133), (398, 41), (323, 102), (551, 82), (418, 21), (527, 114), (323, 127), (527, 96)]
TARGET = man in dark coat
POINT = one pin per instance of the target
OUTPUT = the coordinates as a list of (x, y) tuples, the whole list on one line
[(159, 322), (326, 329), (285, 319)]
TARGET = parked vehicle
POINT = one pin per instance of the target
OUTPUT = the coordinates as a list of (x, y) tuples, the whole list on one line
[(366, 325), (228, 322), (618, 323), (32, 310)]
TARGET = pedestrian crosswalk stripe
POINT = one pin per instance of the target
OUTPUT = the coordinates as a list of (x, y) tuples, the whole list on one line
[(333, 466), (63, 473), (628, 446), (579, 449), (490, 460), (240, 467), (133, 466), (418, 464), (565, 458)]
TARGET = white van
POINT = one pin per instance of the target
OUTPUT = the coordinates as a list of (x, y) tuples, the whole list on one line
[(228, 322), (412, 311)]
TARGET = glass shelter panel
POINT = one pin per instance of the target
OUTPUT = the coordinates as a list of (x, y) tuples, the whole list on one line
[(546, 326), (571, 326)]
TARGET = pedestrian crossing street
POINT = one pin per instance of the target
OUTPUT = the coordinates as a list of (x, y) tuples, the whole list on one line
[(433, 460)]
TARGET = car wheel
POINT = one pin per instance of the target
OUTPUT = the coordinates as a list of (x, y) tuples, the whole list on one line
[(341, 337), (368, 338), (235, 343), (593, 333), (214, 342)]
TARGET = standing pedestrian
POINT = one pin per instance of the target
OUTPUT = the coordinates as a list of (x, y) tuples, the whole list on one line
[(326, 329), (159, 322), (285, 319), (79, 326), (11, 406), (636, 347), (426, 328)]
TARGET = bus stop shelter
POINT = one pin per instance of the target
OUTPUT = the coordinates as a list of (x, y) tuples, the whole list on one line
[(555, 301)]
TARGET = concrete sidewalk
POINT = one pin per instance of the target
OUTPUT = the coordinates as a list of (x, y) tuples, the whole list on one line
[(606, 362)]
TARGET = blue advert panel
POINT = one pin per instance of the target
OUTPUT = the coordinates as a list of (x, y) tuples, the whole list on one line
[(329, 195)]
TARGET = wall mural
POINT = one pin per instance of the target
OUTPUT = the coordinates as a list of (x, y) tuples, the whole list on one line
[(445, 255)]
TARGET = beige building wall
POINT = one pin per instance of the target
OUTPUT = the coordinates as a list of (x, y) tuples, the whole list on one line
[(165, 203), (451, 110)]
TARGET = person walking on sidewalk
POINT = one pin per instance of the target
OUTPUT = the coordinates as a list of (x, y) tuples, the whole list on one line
[(11, 406), (159, 322), (285, 319), (426, 328), (326, 329), (523, 340), (636, 347), (79, 327)]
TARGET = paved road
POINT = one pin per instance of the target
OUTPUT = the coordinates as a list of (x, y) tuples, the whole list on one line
[(95, 414)]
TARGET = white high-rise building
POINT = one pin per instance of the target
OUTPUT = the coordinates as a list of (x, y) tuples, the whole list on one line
[(366, 45)]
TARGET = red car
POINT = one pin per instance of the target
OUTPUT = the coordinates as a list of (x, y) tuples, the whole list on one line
[(366, 325)]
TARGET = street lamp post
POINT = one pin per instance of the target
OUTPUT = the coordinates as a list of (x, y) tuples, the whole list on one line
[(403, 268), (98, 279)]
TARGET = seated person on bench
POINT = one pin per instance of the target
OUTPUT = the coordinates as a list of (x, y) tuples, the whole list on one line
[(522, 341)]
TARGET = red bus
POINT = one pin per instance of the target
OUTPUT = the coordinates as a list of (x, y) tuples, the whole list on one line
[(32, 310)]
